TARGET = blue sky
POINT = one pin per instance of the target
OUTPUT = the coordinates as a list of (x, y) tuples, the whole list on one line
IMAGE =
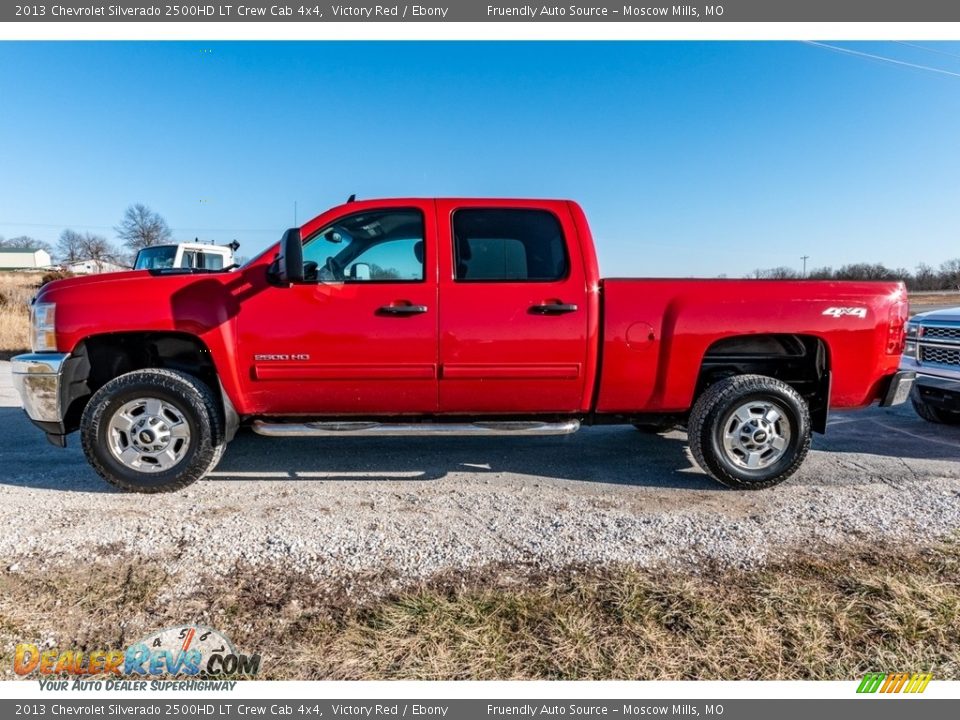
[(690, 158)]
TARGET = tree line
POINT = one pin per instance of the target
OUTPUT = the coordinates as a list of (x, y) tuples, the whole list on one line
[(924, 278), (140, 227)]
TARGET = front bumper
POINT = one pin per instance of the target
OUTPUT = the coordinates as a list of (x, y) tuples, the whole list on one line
[(899, 390), (940, 392), (38, 378)]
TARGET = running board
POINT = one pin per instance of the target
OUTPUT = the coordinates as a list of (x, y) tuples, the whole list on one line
[(374, 429)]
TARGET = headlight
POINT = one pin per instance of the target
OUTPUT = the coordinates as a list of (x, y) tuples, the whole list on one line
[(43, 327), (911, 330)]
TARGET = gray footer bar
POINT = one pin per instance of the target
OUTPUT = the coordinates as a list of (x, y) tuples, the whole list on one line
[(873, 707)]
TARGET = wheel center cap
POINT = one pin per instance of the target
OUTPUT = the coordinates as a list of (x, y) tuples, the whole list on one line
[(146, 436), (759, 436)]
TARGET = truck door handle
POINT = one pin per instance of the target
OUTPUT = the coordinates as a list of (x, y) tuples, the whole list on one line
[(553, 308), (402, 310)]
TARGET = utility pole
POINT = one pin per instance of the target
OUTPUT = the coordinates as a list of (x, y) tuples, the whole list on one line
[(804, 258)]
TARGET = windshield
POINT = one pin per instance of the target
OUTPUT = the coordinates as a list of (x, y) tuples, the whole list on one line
[(156, 258)]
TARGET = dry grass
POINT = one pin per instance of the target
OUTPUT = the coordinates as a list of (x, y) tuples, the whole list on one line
[(16, 289), (809, 619), (942, 298)]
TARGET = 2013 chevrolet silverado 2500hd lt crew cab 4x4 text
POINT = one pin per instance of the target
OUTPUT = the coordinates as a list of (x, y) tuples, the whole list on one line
[(454, 317)]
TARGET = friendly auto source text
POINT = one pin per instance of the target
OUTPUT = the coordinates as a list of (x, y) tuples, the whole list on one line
[(586, 11)]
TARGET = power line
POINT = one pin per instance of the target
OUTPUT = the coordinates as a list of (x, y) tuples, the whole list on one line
[(928, 49), (882, 58), (108, 227)]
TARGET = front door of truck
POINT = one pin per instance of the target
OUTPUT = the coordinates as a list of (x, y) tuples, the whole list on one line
[(513, 315), (360, 336)]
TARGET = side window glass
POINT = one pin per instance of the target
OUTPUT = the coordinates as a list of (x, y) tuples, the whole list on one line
[(376, 246), (494, 245), (212, 261), (189, 259)]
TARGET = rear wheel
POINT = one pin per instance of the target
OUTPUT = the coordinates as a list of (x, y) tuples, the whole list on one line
[(750, 432), (153, 431), (931, 413)]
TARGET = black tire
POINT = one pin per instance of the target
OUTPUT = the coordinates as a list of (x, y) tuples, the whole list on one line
[(712, 416), (189, 396), (931, 413)]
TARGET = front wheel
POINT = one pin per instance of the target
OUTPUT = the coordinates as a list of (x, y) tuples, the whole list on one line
[(750, 431), (152, 431), (931, 413)]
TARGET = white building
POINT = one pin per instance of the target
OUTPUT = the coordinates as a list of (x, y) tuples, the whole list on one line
[(23, 258), (92, 267)]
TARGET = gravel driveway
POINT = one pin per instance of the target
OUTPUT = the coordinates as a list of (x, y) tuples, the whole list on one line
[(411, 507)]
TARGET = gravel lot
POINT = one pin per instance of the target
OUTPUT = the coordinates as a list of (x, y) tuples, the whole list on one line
[(411, 507)]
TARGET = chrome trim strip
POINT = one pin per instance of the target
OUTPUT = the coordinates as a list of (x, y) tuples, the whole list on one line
[(373, 429), (939, 342), (39, 363)]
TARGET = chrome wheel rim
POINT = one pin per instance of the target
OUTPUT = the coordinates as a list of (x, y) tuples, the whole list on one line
[(756, 435), (148, 435)]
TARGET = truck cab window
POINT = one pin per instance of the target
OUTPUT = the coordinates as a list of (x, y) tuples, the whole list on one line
[(508, 246), (212, 261), (377, 246)]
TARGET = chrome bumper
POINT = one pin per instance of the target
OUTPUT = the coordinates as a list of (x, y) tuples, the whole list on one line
[(899, 389), (37, 378)]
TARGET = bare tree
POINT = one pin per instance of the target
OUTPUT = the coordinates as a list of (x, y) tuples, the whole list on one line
[(25, 242), (70, 246), (98, 249), (950, 274), (142, 227), (777, 273), (821, 273)]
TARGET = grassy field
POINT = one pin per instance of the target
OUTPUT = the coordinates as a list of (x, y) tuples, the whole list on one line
[(16, 289), (808, 619)]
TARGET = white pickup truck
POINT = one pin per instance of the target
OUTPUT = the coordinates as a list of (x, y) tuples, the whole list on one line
[(932, 351), (192, 256)]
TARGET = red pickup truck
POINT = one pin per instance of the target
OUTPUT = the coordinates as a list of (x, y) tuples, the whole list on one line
[(451, 317)]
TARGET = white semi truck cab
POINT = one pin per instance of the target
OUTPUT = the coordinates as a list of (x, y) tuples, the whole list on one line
[(192, 256)]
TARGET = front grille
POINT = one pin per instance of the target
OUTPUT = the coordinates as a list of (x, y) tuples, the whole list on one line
[(940, 355), (941, 333)]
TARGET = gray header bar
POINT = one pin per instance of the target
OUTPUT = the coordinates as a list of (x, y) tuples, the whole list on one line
[(300, 11)]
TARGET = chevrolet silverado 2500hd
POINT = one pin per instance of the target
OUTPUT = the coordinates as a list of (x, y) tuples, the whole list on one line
[(451, 317)]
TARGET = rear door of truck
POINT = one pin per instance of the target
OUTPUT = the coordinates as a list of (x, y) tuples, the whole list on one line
[(513, 308)]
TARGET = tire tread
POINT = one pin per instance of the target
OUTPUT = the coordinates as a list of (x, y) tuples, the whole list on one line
[(699, 427), (193, 391)]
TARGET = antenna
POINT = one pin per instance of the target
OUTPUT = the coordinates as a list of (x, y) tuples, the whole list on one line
[(352, 198)]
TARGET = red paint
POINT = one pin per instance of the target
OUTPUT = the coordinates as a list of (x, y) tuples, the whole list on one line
[(479, 349)]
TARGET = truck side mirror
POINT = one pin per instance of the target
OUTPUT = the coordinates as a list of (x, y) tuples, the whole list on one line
[(290, 257), (360, 271)]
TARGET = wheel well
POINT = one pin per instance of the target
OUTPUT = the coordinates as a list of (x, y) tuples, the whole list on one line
[(104, 357), (801, 361)]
